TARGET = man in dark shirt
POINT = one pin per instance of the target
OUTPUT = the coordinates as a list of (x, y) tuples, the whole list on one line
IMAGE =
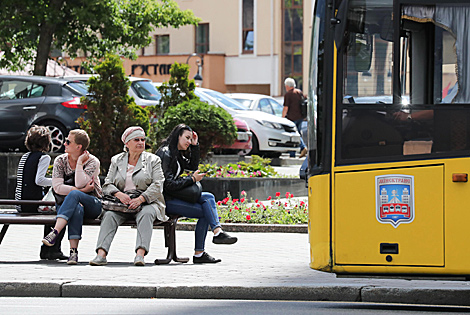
[(292, 111)]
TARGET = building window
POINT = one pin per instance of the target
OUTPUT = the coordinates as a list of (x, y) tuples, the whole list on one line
[(248, 37), (202, 38), (162, 44), (293, 40)]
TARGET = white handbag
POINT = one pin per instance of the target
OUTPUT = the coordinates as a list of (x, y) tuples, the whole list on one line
[(47, 209)]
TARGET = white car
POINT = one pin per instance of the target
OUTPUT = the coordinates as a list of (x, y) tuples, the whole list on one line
[(272, 135), (142, 90), (265, 104), (260, 102)]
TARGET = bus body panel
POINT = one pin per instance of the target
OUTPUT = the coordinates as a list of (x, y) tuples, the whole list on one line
[(434, 236), (319, 222), (362, 226)]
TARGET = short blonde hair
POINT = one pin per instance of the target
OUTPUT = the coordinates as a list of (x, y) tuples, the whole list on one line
[(81, 137)]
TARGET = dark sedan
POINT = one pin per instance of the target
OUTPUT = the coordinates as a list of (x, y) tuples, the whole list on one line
[(47, 101)]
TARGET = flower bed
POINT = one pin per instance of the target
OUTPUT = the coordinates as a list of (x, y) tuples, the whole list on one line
[(288, 210)]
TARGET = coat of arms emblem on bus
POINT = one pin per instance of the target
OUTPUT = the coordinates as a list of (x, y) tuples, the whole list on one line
[(395, 199)]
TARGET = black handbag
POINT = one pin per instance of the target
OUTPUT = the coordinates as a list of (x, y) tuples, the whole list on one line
[(190, 193), (68, 180), (112, 203)]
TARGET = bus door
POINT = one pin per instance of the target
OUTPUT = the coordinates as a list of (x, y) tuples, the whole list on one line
[(402, 139)]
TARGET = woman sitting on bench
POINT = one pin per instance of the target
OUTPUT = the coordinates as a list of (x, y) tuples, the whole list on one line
[(133, 169), (77, 190), (31, 181), (179, 152)]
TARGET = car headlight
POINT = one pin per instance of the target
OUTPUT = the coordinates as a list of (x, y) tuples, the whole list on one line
[(269, 124)]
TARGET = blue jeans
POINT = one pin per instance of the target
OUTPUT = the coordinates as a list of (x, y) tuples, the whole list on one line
[(75, 207), (298, 124), (204, 209)]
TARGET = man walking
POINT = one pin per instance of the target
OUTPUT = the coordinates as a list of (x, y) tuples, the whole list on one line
[(293, 112)]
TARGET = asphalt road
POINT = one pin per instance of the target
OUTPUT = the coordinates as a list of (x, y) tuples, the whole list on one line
[(41, 306)]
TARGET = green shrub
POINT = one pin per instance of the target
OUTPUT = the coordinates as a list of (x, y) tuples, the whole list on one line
[(213, 125), (110, 110)]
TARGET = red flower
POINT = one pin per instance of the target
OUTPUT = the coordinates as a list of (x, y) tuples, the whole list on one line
[(235, 200), (258, 205), (236, 208), (248, 217), (269, 198), (219, 203), (287, 194), (256, 200), (302, 203), (291, 195), (242, 200), (278, 194), (285, 204)]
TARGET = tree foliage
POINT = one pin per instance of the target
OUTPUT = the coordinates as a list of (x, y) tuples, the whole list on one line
[(179, 88), (29, 28), (213, 125), (110, 110)]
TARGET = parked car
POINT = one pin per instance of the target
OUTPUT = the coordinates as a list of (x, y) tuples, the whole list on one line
[(272, 135), (142, 90), (242, 144), (265, 104), (28, 100), (260, 102)]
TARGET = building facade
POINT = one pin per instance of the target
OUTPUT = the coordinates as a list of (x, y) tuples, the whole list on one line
[(239, 46)]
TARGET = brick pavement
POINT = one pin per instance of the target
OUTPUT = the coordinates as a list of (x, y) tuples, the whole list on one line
[(259, 266)]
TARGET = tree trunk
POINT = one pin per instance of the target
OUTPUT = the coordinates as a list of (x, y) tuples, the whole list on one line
[(46, 34)]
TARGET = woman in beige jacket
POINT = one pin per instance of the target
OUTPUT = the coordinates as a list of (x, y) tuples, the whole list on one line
[(130, 170)]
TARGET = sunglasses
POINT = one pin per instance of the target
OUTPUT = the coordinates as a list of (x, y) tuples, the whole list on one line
[(67, 141), (139, 139)]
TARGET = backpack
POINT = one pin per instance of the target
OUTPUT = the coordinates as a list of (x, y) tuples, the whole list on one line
[(303, 106)]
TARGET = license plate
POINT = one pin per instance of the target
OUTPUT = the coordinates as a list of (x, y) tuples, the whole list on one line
[(242, 136)]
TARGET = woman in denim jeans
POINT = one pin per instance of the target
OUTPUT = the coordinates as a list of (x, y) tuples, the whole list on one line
[(81, 198), (179, 152)]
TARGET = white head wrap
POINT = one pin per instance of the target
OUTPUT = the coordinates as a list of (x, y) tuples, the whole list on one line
[(131, 133)]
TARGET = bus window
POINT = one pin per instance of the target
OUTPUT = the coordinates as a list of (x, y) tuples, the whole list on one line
[(426, 116), (367, 60)]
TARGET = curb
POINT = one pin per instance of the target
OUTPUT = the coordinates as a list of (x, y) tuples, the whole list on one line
[(245, 227), (342, 293)]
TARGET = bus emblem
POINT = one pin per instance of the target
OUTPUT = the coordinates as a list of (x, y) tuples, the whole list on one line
[(395, 199)]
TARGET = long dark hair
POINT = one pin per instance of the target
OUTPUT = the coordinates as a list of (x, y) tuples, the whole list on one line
[(172, 140)]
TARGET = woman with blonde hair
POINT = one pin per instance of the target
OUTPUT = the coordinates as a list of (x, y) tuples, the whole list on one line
[(77, 189)]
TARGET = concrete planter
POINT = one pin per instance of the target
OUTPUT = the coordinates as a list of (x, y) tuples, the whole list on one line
[(256, 188)]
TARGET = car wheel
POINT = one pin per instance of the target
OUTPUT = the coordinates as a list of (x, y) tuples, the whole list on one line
[(254, 145), (57, 136)]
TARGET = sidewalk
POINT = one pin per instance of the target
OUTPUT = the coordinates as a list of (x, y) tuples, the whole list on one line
[(270, 266)]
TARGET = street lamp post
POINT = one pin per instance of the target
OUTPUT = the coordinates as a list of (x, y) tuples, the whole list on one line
[(199, 64)]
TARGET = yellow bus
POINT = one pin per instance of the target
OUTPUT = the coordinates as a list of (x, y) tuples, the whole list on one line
[(389, 137)]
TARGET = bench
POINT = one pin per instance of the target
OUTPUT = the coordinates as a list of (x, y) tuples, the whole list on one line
[(169, 227)]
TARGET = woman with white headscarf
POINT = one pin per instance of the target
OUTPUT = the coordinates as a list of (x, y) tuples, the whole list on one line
[(131, 170)]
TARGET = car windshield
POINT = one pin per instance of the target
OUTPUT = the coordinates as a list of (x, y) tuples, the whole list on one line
[(146, 90), (244, 101), (227, 101), (79, 87)]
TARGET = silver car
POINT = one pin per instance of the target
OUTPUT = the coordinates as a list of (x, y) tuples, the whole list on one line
[(272, 135)]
